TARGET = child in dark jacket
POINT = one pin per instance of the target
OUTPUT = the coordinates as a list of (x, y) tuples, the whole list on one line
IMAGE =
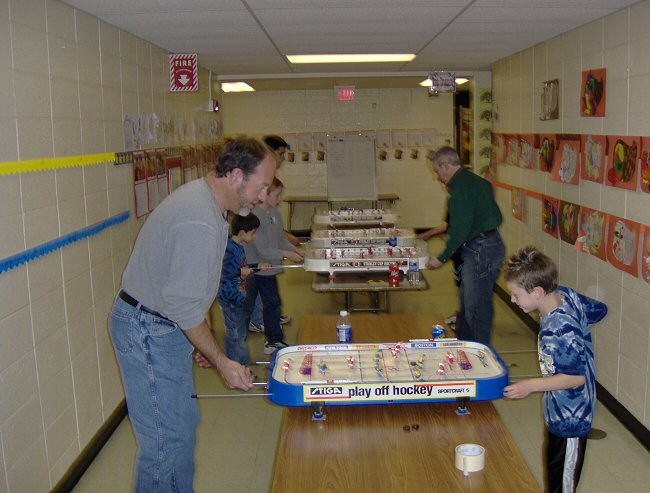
[(231, 293)]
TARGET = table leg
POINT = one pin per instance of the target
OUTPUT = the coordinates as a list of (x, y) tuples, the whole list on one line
[(348, 301)]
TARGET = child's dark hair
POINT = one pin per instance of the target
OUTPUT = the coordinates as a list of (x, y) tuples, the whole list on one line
[(275, 142), (531, 268), (244, 223)]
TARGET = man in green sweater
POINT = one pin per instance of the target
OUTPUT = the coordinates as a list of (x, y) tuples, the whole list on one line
[(474, 217)]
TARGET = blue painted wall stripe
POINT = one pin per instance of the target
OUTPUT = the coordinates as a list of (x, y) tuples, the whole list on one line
[(14, 261)]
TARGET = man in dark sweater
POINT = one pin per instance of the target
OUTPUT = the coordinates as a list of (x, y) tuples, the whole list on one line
[(474, 219)]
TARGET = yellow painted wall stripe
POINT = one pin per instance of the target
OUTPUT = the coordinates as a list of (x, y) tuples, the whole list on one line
[(45, 164)]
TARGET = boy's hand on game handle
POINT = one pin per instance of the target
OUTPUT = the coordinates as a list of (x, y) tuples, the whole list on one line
[(518, 390), (294, 256), (264, 266)]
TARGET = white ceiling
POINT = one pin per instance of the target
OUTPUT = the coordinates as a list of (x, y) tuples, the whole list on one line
[(248, 39)]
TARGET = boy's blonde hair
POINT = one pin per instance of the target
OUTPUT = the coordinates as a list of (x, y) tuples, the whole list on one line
[(530, 268)]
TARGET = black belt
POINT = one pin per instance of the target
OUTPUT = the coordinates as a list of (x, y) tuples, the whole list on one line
[(136, 304)]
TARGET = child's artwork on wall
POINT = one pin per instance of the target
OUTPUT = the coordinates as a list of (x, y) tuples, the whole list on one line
[(414, 138), (645, 164), (592, 95), (305, 141), (140, 189), (398, 138), (644, 270), (526, 151), (566, 162), (512, 150), (622, 163), (593, 157), (593, 226), (517, 198), (499, 149), (550, 100), (174, 167), (546, 147), (569, 216), (382, 139), (622, 244), (550, 206), (320, 141)]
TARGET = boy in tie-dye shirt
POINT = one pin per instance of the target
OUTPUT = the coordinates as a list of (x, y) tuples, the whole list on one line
[(566, 357)]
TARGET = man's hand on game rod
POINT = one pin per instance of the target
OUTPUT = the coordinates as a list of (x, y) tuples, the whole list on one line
[(434, 263), (235, 375)]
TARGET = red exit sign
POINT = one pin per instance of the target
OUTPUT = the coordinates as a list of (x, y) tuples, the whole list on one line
[(346, 93)]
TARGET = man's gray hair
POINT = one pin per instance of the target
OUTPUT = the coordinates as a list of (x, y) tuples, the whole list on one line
[(446, 155)]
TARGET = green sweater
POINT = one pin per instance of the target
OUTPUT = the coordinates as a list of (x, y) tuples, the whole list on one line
[(472, 210)]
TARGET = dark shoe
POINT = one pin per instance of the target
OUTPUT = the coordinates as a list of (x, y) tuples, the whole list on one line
[(273, 347), (253, 327)]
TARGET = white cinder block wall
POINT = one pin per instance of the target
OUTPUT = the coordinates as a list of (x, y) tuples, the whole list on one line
[(67, 82), (422, 199), (620, 43)]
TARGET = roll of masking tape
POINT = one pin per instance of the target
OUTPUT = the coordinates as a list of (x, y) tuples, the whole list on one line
[(470, 457)]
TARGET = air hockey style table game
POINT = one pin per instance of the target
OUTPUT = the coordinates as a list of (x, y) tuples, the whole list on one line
[(365, 259), (351, 250), (333, 238), (443, 370)]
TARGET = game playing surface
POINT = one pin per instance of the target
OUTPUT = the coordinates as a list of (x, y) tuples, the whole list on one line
[(328, 238), (373, 258)]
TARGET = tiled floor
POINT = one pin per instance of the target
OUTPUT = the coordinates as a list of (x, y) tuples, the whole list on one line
[(238, 435)]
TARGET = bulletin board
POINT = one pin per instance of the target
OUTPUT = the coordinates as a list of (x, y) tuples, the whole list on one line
[(351, 169)]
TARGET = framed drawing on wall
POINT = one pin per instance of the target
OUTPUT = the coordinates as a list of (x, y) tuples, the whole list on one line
[(550, 100)]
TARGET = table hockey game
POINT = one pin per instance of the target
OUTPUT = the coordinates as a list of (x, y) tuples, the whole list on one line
[(363, 259), (333, 238), (444, 370), (353, 217)]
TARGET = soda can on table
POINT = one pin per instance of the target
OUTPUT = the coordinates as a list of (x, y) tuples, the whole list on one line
[(438, 332)]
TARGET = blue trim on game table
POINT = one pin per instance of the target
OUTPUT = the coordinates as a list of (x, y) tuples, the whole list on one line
[(19, 259)]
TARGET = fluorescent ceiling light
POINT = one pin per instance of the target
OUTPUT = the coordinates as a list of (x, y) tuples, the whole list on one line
[(236, 87), (459, 82), (359, 58)]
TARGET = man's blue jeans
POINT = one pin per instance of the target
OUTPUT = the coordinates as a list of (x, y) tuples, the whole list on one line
[(234, 321), (482, 260), (155, 361)]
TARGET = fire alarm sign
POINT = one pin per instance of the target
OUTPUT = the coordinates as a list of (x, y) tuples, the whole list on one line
[(183, 72)]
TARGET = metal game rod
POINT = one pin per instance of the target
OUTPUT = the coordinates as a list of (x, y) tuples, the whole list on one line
[(214, 396), (203, 396)]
